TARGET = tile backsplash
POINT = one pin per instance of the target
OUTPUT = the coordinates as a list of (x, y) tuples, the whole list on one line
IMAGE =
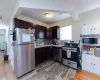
[(62, 42), (42, 42)]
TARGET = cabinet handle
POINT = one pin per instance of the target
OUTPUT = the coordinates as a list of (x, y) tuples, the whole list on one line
[(94, 64), (94, 28)]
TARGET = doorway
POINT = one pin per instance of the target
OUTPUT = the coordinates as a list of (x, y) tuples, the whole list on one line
[(3, 44)]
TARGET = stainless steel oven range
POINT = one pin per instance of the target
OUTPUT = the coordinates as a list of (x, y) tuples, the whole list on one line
[(71, 55)]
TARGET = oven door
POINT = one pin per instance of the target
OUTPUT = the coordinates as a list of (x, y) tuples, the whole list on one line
[(70, 55)]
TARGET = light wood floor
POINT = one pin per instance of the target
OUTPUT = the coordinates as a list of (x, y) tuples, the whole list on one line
[(50, 70), (84, 75), (6, 71)]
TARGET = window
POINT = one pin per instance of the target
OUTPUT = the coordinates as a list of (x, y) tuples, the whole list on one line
[(66, 33)]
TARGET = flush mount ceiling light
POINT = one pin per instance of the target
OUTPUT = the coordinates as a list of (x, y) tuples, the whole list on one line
[(48, 15)]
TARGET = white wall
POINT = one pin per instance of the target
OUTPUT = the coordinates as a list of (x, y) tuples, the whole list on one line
[(91, 17), (2, 31), (10, 48), (21, 17)]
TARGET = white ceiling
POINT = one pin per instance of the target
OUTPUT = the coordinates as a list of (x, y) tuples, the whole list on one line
[(40, 15), (74, 7), (86, 5), (6, 10), (35, 9), (61, 5)]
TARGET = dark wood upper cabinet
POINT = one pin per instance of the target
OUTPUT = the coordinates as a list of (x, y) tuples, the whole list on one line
[(23, 24), (55, 32), (40, 32), (49, 33)]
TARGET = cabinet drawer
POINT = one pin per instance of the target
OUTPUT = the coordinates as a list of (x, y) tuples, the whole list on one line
[(69, 63)]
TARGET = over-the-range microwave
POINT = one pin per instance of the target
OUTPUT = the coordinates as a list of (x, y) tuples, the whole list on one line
[(91, 40)]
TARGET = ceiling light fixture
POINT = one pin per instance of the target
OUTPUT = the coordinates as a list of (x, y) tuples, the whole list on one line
[(48, 15)]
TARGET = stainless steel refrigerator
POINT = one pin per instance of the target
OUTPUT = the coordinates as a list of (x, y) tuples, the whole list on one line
[(24, 51)]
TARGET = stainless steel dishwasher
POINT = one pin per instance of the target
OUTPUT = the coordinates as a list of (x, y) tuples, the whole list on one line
[(57, 54)]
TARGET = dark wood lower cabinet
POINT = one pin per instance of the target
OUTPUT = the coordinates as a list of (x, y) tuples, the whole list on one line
[(49, 53), (43, 54), (40, 55)]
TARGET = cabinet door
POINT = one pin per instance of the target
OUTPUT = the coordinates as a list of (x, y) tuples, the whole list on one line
[(37, 57), (49, 53), (86, 30), (87, 62), (55, 32), (49, 33), (40, 32), (45, 32), (96, 29), (96, 65), (84, 61), (40, 55), (90, 63)]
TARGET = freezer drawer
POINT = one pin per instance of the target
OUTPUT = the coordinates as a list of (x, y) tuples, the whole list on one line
[(25, 59)]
